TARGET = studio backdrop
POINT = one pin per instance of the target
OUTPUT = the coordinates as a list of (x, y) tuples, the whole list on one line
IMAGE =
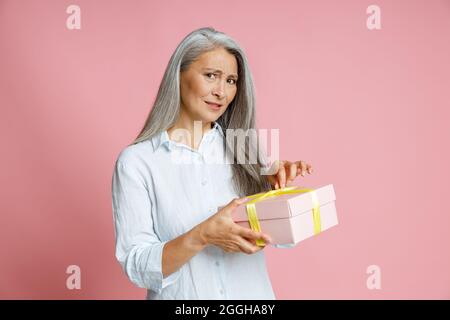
[(358, 89)]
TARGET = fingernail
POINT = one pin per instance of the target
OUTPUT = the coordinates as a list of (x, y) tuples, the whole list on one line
[(303, 173)]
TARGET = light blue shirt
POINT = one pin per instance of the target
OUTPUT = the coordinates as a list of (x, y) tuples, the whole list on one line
[(156, 198)]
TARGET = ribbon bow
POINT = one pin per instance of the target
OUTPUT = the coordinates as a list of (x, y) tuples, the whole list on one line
[(253, 217)]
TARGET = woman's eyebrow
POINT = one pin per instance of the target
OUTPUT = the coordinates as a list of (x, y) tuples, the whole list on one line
[(219, 71)]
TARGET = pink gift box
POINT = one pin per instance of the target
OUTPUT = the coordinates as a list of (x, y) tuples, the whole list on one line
[(288, 218)]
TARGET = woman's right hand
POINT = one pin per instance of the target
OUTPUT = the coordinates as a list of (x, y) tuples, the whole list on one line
[(220, 230)]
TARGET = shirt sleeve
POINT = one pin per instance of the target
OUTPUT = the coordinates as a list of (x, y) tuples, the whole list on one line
[(138, 248)]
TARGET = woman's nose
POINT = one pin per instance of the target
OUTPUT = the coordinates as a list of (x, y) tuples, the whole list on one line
[(219, 90)]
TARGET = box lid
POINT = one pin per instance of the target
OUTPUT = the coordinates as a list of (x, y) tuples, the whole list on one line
[(287, 205)]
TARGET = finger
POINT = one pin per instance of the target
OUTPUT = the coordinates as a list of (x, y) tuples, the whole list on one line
[(274, 168), (253, 242), (292, 169), (248, 233), (274, 177), (272, 180), (301, 168), (309, 168), (253, 235), (247, 246), (233, 204), (235, 248), (237, 202), (282, 176), (267, 238)]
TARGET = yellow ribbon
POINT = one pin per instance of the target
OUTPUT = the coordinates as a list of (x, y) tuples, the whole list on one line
[(253, 217)]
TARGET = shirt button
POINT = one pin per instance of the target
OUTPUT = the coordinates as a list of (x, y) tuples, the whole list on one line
[(204, 182), (221, 291), (217, 263)]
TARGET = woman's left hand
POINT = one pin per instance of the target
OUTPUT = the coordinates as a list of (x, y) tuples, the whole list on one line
[(287, 171)]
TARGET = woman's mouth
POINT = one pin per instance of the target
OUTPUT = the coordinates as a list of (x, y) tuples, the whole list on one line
[(213, 106)]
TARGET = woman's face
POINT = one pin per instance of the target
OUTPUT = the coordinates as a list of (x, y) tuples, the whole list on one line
[(209, 85)]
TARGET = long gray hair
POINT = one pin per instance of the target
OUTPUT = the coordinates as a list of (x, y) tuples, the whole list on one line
[(240, 114)]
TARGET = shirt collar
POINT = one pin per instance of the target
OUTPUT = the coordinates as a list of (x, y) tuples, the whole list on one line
[(163, 137)]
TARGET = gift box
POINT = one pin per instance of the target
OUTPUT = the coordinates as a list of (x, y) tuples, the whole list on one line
[(289, 215)]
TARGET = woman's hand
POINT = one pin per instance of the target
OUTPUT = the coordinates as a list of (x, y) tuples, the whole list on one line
[(220, 230), (286, 172)]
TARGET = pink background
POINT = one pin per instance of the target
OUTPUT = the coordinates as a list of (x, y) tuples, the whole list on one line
[(368, 109)]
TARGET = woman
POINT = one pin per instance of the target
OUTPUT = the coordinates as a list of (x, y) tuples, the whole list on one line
[(170, 236)]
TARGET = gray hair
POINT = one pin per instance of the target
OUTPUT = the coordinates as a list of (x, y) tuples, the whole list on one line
[(240, 114)]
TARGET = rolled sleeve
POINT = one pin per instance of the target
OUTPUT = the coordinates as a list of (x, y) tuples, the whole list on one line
[(138, 248)]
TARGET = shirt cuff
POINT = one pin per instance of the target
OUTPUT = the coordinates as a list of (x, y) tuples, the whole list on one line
[(161, 282), (151, 276)]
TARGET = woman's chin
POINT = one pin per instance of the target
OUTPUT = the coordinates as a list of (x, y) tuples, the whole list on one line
[(210, 117)]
